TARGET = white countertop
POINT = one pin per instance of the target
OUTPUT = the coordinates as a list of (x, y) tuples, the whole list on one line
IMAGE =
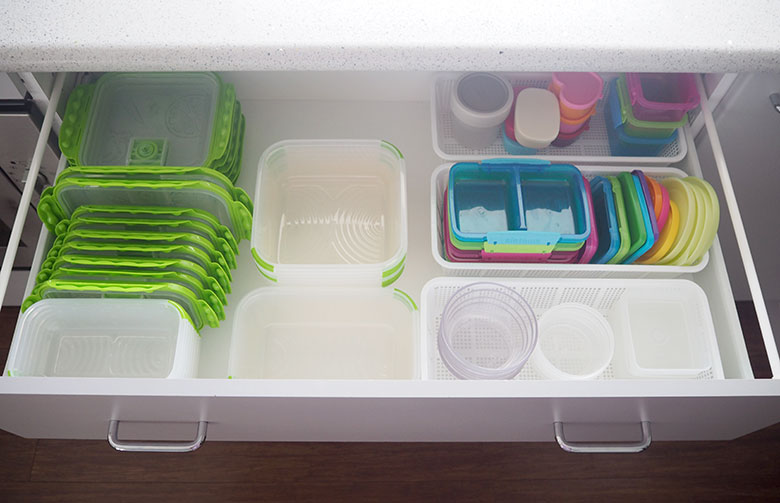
[(598, 35)]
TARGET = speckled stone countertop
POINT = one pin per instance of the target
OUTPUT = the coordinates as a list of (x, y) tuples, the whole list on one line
[(598, 35)]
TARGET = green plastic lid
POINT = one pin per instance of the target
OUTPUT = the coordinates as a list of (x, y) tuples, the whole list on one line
[(199, 311), (92, 262), (67, 195), (623, 232), (145, 251), (75, 274), (634, 216)]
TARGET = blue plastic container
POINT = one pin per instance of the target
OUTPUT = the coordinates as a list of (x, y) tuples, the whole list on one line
[(646, 220), (606, 220), (620, 143), (518, 202), (514, 148)]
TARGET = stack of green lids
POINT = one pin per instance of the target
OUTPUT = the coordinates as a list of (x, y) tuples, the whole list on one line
[(155, 119)]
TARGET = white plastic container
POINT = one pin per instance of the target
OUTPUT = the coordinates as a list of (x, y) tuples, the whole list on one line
[(439, 180), (330, 212), (575, 342), (480, 102), (606, 296), (537, 118), (325, 333), (666, 331), (104, 338)]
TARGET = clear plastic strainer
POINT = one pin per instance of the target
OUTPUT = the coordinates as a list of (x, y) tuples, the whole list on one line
[(487, 331)]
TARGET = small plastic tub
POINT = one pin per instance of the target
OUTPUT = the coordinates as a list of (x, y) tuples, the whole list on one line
[(512, 147), (135, 338), (537, 118), (622, 144), (592, 243), (575, 342), (577, 92), (566, 139), (662, 96), (569, 126), (487, 331), (480, 102), (606, 220), (641, 128)]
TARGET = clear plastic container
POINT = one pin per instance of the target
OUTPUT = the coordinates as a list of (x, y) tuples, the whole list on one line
[(575, 342), (325, 333), (664, 331), (331, 212), (480, 102), (487, 331), (104, 338)]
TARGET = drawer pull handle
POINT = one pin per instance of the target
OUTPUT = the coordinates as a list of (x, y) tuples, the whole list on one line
[(153, 446), (604, 447)]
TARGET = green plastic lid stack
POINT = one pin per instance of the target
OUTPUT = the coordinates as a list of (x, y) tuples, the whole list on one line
[(154, 119)]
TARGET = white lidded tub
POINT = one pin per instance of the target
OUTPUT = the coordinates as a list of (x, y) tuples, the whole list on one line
[(330, 212)]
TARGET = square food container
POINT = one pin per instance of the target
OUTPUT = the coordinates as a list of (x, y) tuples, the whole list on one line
[(330, 212), (662, 96), (325, 333), (104, 338)]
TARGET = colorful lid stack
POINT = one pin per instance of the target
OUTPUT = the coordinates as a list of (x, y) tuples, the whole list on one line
[(644, 111)]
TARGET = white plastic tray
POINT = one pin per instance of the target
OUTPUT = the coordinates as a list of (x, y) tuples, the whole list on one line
[(591, 148), (439, 181), (600, 294)]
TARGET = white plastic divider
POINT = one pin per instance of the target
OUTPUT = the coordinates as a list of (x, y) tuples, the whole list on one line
[(592, 147), (29, 186), (439, 181), (739, 230)]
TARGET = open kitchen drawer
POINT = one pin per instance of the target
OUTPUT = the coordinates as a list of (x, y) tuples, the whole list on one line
[(395, 107)]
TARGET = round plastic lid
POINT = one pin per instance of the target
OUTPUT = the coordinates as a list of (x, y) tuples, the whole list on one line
[(537, 118), (575, 342)]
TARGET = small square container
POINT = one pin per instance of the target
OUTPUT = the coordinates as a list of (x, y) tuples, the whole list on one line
[(640, 128), (331, 212), (622, 218), (638, 219), (104, 338), (664, 331), (325, 333), (662, 96), (622, 144)]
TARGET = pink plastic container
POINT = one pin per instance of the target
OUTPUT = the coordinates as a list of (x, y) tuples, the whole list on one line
[(663, 97), (577, 92), (566, 139), (570, 127)]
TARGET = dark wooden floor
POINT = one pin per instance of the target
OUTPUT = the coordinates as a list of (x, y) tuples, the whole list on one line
[(747, 469)]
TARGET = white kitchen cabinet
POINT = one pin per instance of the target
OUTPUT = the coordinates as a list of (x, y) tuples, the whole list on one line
[(385, 100)]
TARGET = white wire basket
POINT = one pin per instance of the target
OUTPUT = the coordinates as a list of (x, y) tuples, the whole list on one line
[(592, 147), (607, 296)]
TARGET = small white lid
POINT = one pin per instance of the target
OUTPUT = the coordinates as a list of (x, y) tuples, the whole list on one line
[(482, 100), (537, 118)]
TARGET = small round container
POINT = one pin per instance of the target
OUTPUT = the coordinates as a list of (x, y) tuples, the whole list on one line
[(569, 126), (480, 102), (575, 342), (487, 331), (578, 93), (566, 139)]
